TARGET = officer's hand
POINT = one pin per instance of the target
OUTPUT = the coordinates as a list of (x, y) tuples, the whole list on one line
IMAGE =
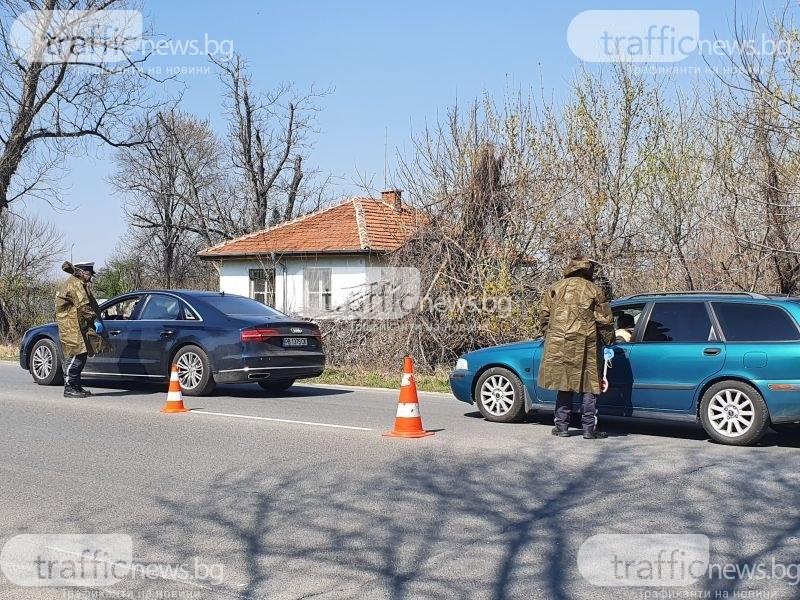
[(99, 327)]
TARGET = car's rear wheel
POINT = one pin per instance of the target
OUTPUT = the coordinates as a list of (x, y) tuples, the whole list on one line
[(499, 395), (734, 413), (44, 364), (276, 385), (194, 371)]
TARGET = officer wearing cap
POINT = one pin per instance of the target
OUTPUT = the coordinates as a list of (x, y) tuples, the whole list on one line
[(79, 325)]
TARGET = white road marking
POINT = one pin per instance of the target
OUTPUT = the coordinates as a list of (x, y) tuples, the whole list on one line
[(216, 414)]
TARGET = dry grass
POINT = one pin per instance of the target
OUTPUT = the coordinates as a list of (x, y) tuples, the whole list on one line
[(437, 382), (9, 352)]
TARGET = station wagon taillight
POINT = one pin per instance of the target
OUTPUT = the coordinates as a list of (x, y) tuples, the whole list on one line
[(259, 335)]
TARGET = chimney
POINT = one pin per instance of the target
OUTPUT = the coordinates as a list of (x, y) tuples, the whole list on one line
[(392, 197)]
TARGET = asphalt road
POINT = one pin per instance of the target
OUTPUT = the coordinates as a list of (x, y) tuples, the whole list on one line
[(287, 509)]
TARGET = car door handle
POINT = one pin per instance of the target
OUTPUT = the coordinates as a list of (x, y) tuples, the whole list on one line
[(712, 351), (114, 332), (166, 334)]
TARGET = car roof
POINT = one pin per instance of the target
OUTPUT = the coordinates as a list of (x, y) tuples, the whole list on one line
[(184, 293), (706, 295)]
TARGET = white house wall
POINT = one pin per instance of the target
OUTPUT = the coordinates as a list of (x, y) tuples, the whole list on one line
[(348, 275), (234, 277)]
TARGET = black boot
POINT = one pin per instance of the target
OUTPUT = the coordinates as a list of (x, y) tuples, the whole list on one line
[(83, 390), (71, 392), (558, 433), (594, 435)]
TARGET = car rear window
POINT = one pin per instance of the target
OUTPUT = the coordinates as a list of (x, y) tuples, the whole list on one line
[(233, 306), (745, 322)]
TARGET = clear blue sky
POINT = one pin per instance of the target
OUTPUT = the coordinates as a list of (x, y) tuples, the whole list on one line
[(394, 65)]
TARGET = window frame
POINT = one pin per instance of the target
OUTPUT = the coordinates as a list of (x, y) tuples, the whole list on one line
[(184, 306), (269, 285), (644, 314), (114, 301), (648, 312), (324, 306), (723, 338)]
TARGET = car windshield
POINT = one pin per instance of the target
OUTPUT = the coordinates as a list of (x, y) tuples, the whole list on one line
[(233, 306)]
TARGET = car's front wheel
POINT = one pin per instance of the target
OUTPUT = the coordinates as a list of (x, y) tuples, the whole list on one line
[(276, 385), (194, 371), (44, 364), (500, 395), (734, 413)]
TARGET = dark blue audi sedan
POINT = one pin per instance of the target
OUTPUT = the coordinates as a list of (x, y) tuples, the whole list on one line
[(212, 337)]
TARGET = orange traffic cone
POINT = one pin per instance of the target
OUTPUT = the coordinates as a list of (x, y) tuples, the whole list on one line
[(408, 423), (174, 396)]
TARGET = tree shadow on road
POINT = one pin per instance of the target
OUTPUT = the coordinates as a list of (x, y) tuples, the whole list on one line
[(499, 527), (481, 524)]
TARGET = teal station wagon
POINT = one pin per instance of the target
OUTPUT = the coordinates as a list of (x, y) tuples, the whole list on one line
[(728, 360)]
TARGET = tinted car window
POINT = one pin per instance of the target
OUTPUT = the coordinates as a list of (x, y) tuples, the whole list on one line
[(678, 322), (162, 308), (742, 322), (239, 306)]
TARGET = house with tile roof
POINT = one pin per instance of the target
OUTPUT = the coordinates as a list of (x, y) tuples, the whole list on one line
[(317, 262)]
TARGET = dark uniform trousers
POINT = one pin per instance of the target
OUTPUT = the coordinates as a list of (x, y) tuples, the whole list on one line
[(564, 408), (73, 366)]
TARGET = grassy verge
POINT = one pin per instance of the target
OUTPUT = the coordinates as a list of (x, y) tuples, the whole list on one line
[(438, 382), (9, 352)]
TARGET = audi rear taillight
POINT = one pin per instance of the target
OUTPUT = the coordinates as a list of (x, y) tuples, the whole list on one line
[(259, 335)]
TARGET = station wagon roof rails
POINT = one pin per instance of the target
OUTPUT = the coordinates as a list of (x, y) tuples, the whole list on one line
[(752, 295)]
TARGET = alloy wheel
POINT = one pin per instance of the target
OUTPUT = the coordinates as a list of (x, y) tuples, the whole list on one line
[(497, 395), (190, 370), (42, 362), (731, 413)]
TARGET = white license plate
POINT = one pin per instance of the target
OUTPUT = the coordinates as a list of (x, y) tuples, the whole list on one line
[(294, 342)]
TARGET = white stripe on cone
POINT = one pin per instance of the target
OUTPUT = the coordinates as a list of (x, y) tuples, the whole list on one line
[(408, 378), (174, 376), (408, 410), (174, 397)]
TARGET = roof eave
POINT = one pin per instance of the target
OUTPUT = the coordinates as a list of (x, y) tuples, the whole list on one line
[(241, 255)]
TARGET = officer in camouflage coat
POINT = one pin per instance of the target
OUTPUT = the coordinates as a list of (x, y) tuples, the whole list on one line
[(77, 313), (575, 319)]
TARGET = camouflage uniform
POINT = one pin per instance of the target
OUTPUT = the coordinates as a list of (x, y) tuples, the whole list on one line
[(575, 318), (76, 312)]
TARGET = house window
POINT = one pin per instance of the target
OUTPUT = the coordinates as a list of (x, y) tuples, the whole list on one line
[(262, 286), (317, 283)]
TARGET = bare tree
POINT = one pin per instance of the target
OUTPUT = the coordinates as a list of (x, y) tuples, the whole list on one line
[(168, 183), (268, 135), (49, 102), (27, 248)]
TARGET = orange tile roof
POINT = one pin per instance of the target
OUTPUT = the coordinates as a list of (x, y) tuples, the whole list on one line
[(355, 225)]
